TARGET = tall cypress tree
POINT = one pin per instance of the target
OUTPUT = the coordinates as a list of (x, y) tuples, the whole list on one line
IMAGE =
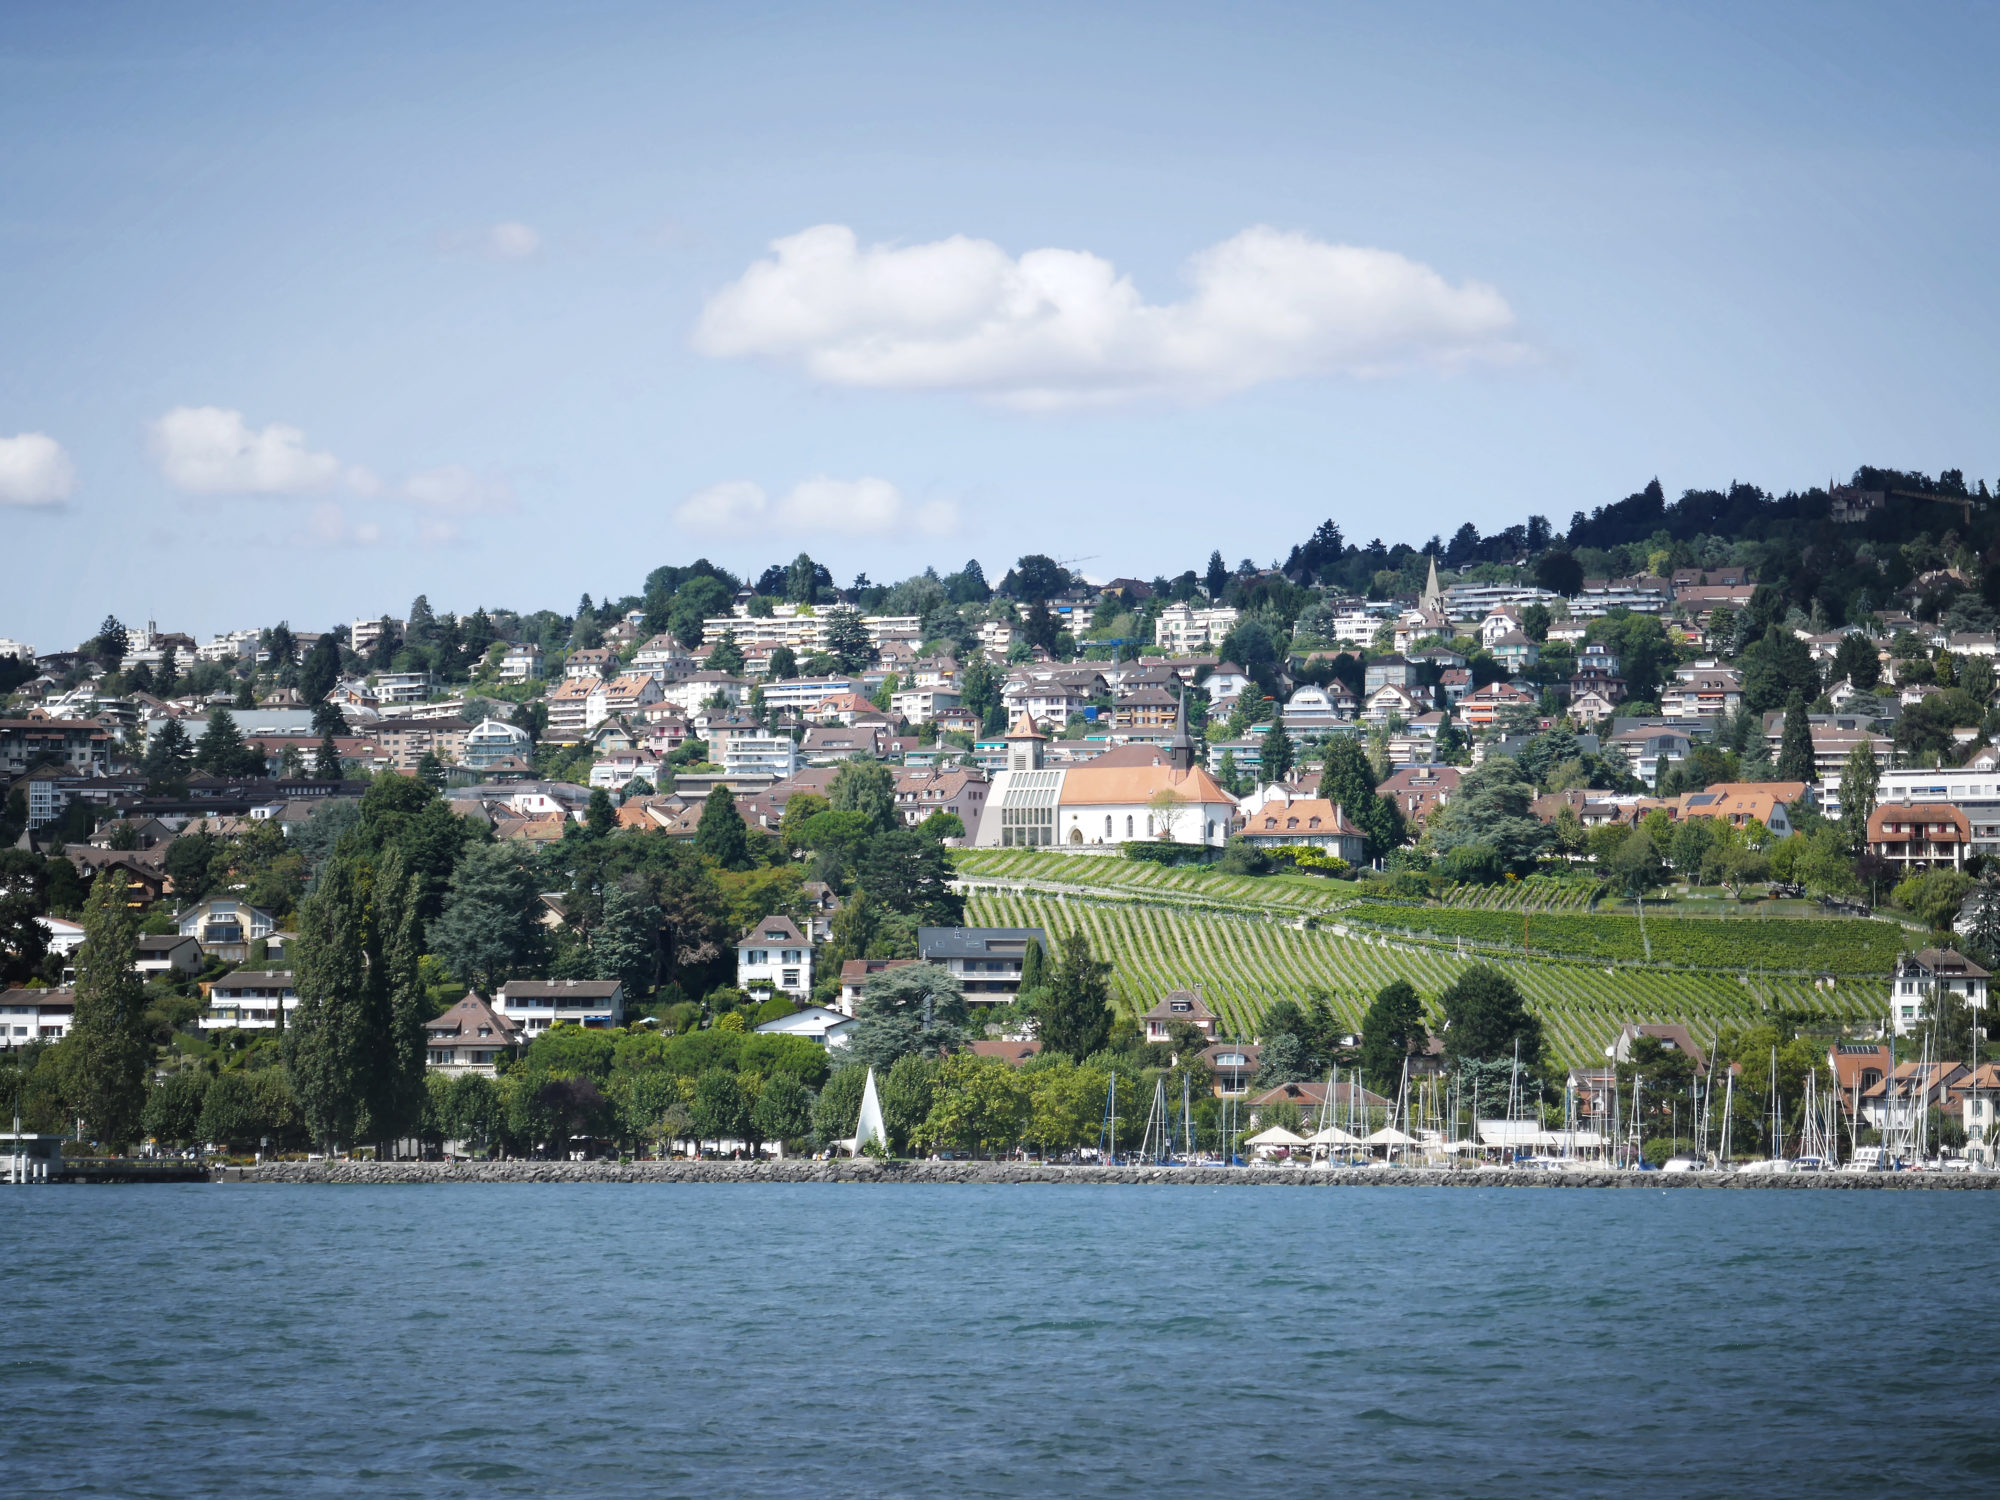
[(1795, 750), (721, 834), (327, 1048), (397, 1004), (1348, 781), (1074, 1015), (106, 1051)]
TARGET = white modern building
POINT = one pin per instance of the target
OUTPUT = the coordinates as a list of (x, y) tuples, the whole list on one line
[(774, 755), (537, 1004), (250, 999)]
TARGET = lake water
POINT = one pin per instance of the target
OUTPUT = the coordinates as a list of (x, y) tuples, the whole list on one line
[(721, 1341)]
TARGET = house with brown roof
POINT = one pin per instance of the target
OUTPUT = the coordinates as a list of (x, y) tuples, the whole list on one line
[(1929, 972), (855, 974), (538, 1004), (1670, 1035), (1305, 823), (1189, 1005), (919, 793), (1920, 835), (471, 1037), (1420, 790), (1310, 1099), (775, 955)]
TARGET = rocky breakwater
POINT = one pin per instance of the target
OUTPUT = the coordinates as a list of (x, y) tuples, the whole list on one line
[(866, 1171)]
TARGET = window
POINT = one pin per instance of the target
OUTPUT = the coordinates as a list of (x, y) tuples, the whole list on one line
[(790, 979), (1128, 826)]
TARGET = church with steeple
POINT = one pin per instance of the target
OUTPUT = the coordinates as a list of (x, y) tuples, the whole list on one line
[(1131, 792)]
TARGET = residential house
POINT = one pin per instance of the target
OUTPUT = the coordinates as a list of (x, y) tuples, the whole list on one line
[(1188, 1005), (625, 696), (226, 926), (1702, 690), (590, 663), (617, 770), (1650, 751), (1928, 972), (1348, 1101), (1182, 628), (78, 746), (64, 936), (986, 961), (250, 1000), (1739, 803), (568, 707), (538, 1004), (490, 741), (1233, 1064), (1145, 709), (1312, 713), (855, 974), (1501, 621), (664, 658), (1496, 703), (747, 756), (690, 694), (1515, 652), (775, 955), (35, 1015), (1420, 790), (166, 953), (920, 704), (1393, 668), (1393, 700), (403, 687), (919, 793), (815, 1023), (522, 662), (1305, 823), (471, 1037), (827, 744), (1916, 836), (1642, 595)]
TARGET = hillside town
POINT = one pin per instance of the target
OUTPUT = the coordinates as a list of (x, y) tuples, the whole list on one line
[(821, 769)]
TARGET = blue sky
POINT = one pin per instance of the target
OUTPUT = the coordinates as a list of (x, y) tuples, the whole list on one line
[(306, 309)]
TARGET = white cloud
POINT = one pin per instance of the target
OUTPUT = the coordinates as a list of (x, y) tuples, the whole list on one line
[(512, 240), (329, 527), (209, 450), (837, 507), (457, 489), (34, 470), (1062, 327)]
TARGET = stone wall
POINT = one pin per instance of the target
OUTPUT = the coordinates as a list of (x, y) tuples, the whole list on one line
[(987, 1171)]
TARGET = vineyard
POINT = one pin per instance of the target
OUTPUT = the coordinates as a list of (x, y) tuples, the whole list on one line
[(1536, 893), (1244, 963), (1184, 883), (1738, 945)]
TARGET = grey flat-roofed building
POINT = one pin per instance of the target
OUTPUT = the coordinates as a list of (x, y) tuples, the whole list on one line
[(985, 960)]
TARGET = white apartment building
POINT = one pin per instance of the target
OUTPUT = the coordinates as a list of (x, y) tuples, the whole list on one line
[(491, 740), (800, 694), (250, 999), (33, 1015), (17, 650), (695, 689), (1974, 789), (231, 645), (402, 687), (774, 955), (363, 634), (537, 1004), (1182, 628), (773, 755), (921, 704), (628, 695), (996, 636)]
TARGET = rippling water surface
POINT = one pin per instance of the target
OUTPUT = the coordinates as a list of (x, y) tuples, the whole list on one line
[(718, 1341)]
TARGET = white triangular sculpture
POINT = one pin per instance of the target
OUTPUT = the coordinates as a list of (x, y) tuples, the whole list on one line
[(869, 1127)]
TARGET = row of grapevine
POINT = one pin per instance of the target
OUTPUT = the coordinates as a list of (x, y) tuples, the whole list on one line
[(1245, 963), (1536, 893), (1779, 944)]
